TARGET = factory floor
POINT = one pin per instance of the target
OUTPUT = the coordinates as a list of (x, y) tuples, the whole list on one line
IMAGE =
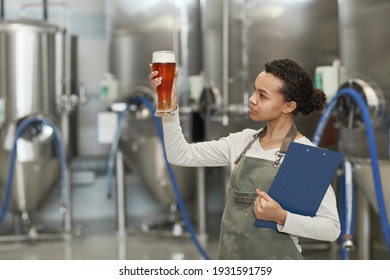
[(104, 243), (99, 240)]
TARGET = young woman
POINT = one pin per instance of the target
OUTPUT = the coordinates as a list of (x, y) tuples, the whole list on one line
[(281, 91)]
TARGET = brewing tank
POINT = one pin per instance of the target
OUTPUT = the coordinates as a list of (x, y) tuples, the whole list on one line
[(365, 56), (166, 25), (240, 36), (364, 43), (28, 58), (144, 155)]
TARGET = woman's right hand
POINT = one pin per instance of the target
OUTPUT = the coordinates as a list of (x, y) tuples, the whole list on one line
[(155, 81)]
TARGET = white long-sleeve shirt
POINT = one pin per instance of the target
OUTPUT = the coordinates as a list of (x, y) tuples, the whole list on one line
[(325, 225)]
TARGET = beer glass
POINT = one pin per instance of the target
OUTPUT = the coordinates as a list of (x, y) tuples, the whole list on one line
[(164, 62)]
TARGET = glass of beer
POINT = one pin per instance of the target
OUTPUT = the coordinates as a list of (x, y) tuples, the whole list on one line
[(164, 62)]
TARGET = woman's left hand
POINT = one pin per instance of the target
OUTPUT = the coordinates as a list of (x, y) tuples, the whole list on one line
[(268, 209)]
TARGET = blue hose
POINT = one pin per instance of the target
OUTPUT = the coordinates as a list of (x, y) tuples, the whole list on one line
[(171, 174), (371, 145), (64, 171)]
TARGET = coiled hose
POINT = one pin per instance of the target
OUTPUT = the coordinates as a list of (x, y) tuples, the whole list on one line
[(372, 149), (111, 164), (61, 151)]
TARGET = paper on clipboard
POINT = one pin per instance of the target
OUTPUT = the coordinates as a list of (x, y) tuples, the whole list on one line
[(302, 180)]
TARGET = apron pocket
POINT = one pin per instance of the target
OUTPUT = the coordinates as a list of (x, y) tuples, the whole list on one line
[(238, 215)]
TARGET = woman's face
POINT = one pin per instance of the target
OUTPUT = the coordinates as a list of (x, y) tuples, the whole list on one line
[(266, 102)]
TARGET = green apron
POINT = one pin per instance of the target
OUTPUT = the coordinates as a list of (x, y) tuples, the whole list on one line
[(239, 238)]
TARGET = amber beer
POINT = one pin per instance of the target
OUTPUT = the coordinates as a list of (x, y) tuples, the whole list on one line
[(164, 62)]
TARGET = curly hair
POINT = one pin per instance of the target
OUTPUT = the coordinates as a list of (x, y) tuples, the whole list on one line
[(297, 86)]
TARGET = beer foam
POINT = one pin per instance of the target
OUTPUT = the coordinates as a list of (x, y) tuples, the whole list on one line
[(163, 56)]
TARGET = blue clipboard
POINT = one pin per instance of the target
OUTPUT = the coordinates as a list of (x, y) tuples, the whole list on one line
[(302, 180)]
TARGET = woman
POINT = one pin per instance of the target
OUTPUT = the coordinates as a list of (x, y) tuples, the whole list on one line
[(281, 91)]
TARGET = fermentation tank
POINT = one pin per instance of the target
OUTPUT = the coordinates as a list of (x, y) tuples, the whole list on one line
[(136, 33), (240, 36), (144, 154), (364, 41), (365, 56), (32, 75)]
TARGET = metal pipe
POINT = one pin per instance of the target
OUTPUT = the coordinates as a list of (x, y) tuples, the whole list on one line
[(120, 178), (1, 9), (68, 63), (45, 76), (201, 191), (184, 33), (244, 55), (68, 211), (180, 40), (225, 64), (109, 16), (175, 36), (68, 226), (363, 226), (45, 16)]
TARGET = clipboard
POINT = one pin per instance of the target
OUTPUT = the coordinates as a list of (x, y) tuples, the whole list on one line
[(302, 180)]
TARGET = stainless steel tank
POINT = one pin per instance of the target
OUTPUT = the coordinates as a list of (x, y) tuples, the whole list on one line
[(144, 155), (364, 54), (28, 88), (138, 31), (364, 41), (240, 36)]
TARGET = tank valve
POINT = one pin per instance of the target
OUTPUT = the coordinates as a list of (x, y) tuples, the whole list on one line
[(347, 243)]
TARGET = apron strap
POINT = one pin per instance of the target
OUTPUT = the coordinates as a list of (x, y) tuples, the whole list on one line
[(255, 136), (290, 136)]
